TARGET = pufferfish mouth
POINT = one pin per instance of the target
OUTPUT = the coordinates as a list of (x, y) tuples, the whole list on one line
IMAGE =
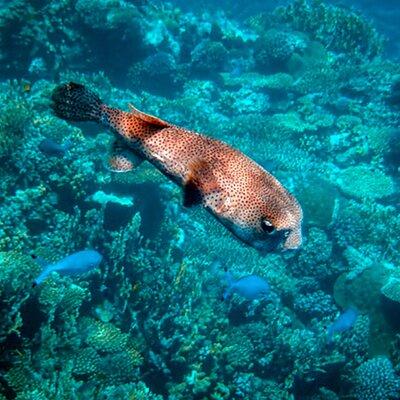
[(293, 239), (266, 244)]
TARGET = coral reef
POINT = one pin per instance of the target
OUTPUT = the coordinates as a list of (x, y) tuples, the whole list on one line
[(307, 91)]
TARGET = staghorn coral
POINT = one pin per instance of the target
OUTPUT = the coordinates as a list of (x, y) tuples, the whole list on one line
[(354, 343), (316, 259)]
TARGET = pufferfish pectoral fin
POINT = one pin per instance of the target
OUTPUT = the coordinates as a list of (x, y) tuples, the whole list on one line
[(191, 194), (200, 186), (122, 159), (150, 119)]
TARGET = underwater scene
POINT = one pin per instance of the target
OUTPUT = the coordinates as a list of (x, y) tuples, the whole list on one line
[(199, 200)]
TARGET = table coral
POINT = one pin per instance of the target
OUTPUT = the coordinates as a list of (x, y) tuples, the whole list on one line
[(362, 182)]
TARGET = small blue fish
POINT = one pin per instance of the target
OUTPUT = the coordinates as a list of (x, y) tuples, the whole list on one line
[(74, 264), (251, 287), (345, 321), (53, 149)]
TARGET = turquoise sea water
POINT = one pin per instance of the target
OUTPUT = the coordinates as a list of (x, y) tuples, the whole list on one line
[(310, 90)]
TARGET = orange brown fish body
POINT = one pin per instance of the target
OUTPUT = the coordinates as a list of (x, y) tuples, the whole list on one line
[(248, 200)]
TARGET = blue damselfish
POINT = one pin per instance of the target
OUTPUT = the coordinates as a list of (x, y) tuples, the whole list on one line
[(74, 264), (251, 287), (344, 321)]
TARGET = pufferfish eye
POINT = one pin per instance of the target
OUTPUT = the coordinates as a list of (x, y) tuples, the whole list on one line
[(267, 226)]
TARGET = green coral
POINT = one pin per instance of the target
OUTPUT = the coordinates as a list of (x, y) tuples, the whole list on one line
[(86, 362), (275, 47), (122, 366), (279, 81), (19, 377), (14, 118), (208, 56), (339, 29), (35, 394), (61, 296), (134, 391), (107, 14), (362, 182), (291, 124), (17, 273), (103, 336)]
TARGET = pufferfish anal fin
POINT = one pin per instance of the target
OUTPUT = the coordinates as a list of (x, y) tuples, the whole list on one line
[(200, 185), (150, 119), (122, 159)]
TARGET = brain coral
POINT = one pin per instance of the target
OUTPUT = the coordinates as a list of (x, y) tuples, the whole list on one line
[(275, 48), (208, 56)]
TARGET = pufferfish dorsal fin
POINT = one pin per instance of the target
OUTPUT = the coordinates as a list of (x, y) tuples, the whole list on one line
[(122, 159), (199, 183), (150, 119)]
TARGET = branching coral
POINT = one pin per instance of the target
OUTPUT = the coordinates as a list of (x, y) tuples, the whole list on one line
[(14, 119), (17, 272), (376, 379)]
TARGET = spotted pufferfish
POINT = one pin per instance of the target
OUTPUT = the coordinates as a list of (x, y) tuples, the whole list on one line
[(241, 194)]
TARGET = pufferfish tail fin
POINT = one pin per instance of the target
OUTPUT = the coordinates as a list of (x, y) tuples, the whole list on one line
[(74, 102)]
